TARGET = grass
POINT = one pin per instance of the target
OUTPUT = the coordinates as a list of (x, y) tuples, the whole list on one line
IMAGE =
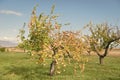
[(19, 66)]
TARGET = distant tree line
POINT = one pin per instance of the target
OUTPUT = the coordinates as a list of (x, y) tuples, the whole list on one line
[(2, 49)]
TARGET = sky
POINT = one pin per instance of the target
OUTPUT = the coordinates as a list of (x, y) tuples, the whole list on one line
[(13, 13)]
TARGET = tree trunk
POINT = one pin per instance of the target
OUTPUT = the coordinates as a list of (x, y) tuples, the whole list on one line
[(101, 59), (89, 52), (52, 68)]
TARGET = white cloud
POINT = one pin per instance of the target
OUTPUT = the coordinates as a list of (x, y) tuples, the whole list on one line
[(6, 38), (10, 12)]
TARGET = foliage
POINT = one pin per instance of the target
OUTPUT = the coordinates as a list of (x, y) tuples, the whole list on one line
[(103, 36), (46, 39), (2, 49), (68, 47)]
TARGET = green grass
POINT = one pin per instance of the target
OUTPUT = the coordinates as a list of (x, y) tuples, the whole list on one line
[(19, 66)]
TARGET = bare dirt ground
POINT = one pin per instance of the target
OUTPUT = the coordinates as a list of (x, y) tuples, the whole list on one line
[(114, 52)]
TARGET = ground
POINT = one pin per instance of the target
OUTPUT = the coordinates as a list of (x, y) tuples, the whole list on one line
[(20, 66)]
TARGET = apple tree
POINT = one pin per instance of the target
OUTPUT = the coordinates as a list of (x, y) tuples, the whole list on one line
[(103, 37), (46, 40)]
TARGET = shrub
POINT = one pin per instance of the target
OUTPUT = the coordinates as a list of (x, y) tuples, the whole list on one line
[(2, 49)]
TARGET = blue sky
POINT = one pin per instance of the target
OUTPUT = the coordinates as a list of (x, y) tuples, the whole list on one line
[(13, 13)]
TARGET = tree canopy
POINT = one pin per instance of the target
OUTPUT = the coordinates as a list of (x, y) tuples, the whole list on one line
[(46, 40), (103, 37)]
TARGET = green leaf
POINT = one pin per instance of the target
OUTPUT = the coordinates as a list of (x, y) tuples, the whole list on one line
[(40, 16), (52, 10)]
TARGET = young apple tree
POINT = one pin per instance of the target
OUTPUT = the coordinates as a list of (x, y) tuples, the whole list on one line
[(46, 39), (103, 37)]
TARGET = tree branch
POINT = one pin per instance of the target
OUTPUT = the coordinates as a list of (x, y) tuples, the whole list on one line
[(107, 47), (96, 50)]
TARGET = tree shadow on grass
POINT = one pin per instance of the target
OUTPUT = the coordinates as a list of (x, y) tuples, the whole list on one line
[(28, 73)]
